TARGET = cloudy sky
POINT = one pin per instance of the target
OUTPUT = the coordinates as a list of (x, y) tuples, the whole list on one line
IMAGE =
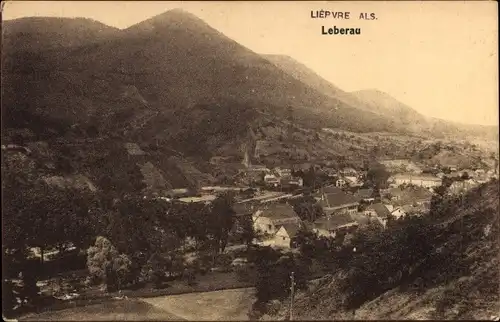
[(440, 58)]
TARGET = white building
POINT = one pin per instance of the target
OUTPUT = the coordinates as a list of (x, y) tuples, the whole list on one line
[(270, 219), (285, 235), (427, 181)]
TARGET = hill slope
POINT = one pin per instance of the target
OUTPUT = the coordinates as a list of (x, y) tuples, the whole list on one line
[(380, 103), (454, 282), (174, 82), (385, 104), (44, 33), (173, 62)]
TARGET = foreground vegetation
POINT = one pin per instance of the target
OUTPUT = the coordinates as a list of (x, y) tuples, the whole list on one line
[(452, 251)]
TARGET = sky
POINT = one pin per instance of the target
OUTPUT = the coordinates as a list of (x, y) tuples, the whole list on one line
[(440, 58)]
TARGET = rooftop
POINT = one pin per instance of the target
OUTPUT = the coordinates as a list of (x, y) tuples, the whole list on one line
[(244, 208), (333, 200), (334, 222), (206, 198), (291, 229), (278, 211), (380, 209), (331, 189), (365, 193), (409, 194), (415, 176)]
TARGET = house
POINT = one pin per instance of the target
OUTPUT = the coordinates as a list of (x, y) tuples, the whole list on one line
[(302, 166), (206, 199), (352, 180), (339, 202), (16, 148), (325, 190), (340, 183), (427, 181), (401, 165), (299, 182), (349, 172), (366, 195), (271, 180), (396, 212), (408, 196), (242, 209), (283, 172), (285, 236), (291, 182), (259, 168), (179, 193), (271, 217), (330, 172), (330, 226), (459, 187), (480, 172), (379, 211)]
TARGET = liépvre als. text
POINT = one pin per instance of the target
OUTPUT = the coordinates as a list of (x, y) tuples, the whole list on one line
[(322, 14)]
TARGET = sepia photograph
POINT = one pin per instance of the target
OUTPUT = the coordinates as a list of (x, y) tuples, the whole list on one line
[(250, 160)]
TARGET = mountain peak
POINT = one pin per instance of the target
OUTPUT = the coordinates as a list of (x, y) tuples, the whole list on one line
[(179, 18)]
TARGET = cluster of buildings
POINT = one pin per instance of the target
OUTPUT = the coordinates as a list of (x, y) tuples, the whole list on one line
[(345, 206), (281, 177), (343, 212)]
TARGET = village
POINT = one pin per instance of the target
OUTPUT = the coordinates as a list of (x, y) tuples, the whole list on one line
[(346, 197)]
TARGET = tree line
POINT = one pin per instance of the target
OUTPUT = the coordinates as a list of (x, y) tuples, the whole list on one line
[(127, 239)]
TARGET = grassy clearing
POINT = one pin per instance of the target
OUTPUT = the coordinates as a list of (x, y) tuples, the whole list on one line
[(216, 306), (124, 310)]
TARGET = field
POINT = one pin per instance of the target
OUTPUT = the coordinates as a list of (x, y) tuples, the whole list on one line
[(215, 306), (124, 310), (218, 305)]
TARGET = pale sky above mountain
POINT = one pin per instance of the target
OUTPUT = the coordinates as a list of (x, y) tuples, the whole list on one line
[(440, 58)]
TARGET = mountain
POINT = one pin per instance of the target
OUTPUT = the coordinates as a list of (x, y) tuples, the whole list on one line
[(305, 75), (385, 104), (174, 61), (380, 103), (173, 82), (43, 33)]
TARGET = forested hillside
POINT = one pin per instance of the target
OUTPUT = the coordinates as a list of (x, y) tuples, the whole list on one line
[(443, 266)]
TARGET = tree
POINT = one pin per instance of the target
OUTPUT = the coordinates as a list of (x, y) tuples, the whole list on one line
[(384, 258), (30, 291), (122, 270), (221, 221), (273, 275), (465, 176), (248, 232), (377, 175), (105, 264), (155, 268), (307, 209), (306, 241)]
